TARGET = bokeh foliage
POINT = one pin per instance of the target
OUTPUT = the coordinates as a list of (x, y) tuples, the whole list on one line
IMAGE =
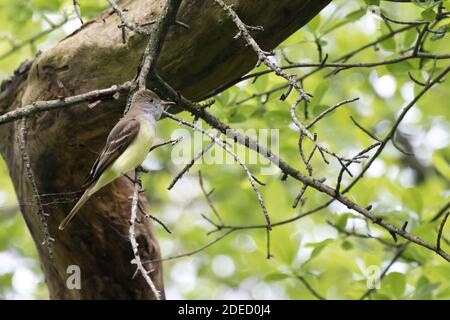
[(400, 188)]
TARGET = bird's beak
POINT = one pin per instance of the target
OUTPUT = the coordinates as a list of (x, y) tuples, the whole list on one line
[(167, 103)]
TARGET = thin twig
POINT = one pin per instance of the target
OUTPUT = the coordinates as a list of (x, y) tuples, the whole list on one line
[(41, 106), (190, 253), (124, 21), (327, 111), (370, 134), (208, 199), (441, 229), (34, 38), (300, 195), (172, 142), (385, 271), (322, 149), (400, 118), (191, 163), (309, 287), (76, 7), (132, 236), (262, 55), (441, 212), (43, 216), (149, 216)]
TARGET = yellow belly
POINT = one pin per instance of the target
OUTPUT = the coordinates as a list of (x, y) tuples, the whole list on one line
[(131, 158), (136, 152)]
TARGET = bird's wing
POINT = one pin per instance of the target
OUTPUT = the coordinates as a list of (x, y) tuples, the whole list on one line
[(118, 140)]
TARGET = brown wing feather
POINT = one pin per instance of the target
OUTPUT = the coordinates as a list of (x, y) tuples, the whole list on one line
[(118, 140)]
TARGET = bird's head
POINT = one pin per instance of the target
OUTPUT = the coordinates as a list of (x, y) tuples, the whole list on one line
[(149, 102)]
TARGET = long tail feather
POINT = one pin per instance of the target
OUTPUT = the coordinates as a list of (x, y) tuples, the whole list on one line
[(85, 197)]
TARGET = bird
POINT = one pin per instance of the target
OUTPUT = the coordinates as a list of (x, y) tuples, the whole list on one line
[(126, 147)]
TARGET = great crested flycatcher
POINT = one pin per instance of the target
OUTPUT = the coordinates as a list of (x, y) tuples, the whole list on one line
[(127, 146)]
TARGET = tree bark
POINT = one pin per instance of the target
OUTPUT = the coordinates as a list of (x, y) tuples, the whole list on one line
[(62, 144)]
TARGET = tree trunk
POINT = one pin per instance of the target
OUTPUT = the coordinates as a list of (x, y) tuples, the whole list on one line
[(194, 61)]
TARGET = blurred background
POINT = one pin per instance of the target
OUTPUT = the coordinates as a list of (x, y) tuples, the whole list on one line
[(318, 251)]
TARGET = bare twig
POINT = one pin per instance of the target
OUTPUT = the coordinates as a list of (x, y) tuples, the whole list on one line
[(208, 199), (441, 212), (327, 111), (400, 118), (309, 287), (191, 253), (262, 55), (34, 38), (41, 106), (124, 21), (149, 216), (43, 216), (370, 134), (154, 46), (322, 149), (358, 235), (191, 163), (344, 66), (385, 271), (441, 229), (132, 236), (172, 142), (300, 195), (76, 7)]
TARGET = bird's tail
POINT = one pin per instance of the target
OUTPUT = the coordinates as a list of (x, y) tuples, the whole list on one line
[(85, 197)]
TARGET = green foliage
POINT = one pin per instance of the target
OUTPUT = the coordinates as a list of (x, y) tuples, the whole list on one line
[(334, 263)]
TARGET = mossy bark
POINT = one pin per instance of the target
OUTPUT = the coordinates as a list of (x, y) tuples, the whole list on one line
[(195, 61)]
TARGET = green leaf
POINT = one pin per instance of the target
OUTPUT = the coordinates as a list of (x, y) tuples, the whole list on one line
[(314, 24), (441, 165), (237, 118), (318, 95), (277, 277), (395, 216), (240, 113), (341, 220), (347, 245), (412, 199), (372, 2), (47, 5), (440, 32), (424, 289), (277, 118), (390, 43), (356, 15), (319, 246), (399, 68), (428, 14), (425, 3), (409, 38), (396, 283), (351, 17)]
